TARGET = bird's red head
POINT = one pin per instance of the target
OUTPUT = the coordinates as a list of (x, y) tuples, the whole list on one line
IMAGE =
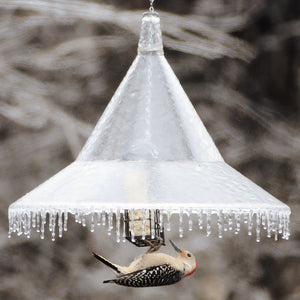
[(188, 260)]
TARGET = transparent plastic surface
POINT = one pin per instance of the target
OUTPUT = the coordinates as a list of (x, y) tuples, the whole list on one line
[(150, 150)]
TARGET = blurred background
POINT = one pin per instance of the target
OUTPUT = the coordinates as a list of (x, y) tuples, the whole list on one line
[(60, 63)]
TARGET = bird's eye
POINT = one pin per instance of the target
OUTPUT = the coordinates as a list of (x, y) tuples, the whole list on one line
[(189, 255)]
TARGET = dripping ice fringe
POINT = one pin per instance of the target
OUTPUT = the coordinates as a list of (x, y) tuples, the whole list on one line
[(273, 223)]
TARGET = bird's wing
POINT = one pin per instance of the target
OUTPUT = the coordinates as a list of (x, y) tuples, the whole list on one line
[(152, 276)]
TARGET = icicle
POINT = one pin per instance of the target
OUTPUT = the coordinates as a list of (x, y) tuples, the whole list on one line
[(15, 222), (200, 219), (208, 223), (245, 217), (52, 223), (237, 218), (38, 226), (43, 222), (19, 227), (168, 221), (230, 221), (103, 218), (92, 227), (110, 222), (220, 224), (190, 221), (268, 224), (60, 225), (263, 221), (225, 222), (98, 219), (65, 221), (118, 225), (132, 225), (83, 221), (258, 221), (143, 224), (152, 224), (124, 228), (280, 225), (76, 218), (250, 222), (180, 223), (161, 225), (33, 220), (276, 227), (11, 222), (27, 224)]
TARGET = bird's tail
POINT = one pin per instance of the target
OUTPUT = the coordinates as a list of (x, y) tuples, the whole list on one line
[(106, 262), (109, 281)]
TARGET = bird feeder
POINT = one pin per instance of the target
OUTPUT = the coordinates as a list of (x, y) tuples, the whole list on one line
[(149, 161)]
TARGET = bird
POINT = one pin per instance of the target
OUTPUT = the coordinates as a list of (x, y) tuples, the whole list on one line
[(153, 269)]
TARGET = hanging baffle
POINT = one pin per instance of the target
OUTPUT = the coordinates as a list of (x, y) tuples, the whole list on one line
[(150, 152)]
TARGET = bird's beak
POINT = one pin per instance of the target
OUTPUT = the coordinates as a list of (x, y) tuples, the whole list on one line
[(175, 247)]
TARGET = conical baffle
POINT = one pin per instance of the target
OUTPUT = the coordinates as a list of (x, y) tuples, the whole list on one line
[(150, 151)]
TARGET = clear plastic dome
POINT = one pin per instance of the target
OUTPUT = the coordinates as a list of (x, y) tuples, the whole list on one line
[(149, 151)]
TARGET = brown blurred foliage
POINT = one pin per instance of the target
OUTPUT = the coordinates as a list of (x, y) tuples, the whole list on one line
[(60, 63)]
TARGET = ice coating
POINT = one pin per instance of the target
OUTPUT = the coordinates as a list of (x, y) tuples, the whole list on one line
[(149, 151), (150, 117), (277, 224)]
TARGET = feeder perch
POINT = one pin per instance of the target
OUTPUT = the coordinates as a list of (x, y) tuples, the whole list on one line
[(149, 158)]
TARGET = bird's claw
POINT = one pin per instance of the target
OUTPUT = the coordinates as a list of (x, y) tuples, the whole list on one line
[(155, 245)]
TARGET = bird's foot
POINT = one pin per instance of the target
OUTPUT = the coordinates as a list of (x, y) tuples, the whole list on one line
[(155, 245)]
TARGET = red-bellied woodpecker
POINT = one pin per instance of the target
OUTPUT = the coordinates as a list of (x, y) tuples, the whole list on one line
[(153, 269)]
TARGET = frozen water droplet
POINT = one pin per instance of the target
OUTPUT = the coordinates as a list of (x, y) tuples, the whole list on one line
[(263, 221), (65, 221), (110, 222), (83, 221), (161, 225), (245, 217), (98, 219), (237, 218), (92, 223), (103, 218), (132, 225), (43, 222), (190, 221), (38, 222), (143, 224), (220, 224), (225, 222), (168, 221), (250, 222), (258, 221), (181, 223), (124, 229), (33, 220), (230, 221), (118, 217), (200, 219), (152, 224), (60, 225), (76, 218), (208, 223)]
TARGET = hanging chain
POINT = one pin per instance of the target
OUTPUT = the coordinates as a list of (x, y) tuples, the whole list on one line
[(151, 8)]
